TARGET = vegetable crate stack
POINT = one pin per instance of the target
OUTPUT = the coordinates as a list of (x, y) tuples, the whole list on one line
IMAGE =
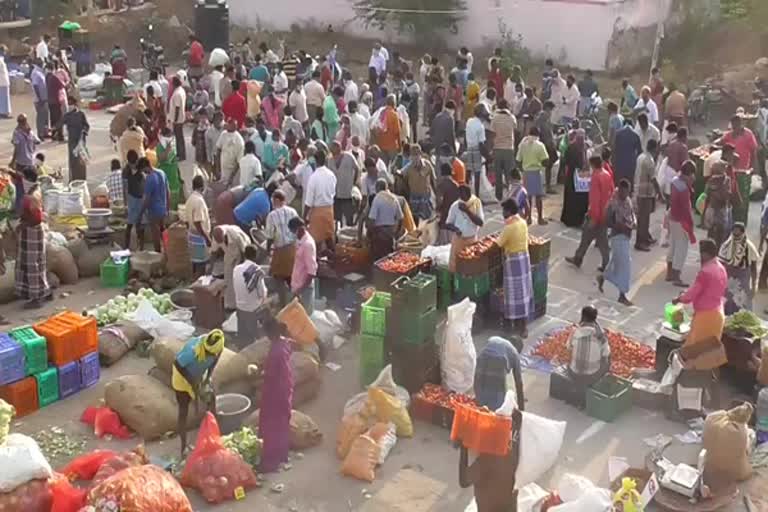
[(52, 360), (444, 287), (373, 330), (398, 264), (478, 268), (412, 325), (539, 250)]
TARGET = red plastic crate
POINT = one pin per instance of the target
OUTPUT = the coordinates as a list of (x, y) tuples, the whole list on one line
[(22, 395)]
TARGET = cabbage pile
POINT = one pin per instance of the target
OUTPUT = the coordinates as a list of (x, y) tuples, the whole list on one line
[(120, 307)]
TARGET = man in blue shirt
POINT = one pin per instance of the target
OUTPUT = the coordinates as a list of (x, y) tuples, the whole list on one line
[(627, 147), (495, 362), (41, 100), (156, 199)]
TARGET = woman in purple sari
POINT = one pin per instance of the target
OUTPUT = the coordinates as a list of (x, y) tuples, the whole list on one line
[(277, 396)]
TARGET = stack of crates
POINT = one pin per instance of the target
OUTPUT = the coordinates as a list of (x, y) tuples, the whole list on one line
[(15, 387), (412, 324), (444, 287), (36, 353), (474, 279), (373, 330)]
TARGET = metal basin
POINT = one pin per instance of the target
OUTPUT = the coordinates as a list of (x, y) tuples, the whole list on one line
[(183, 298), (97, 218), (231, 410)]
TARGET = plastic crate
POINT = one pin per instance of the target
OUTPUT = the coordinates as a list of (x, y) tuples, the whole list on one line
[(415, 365), (89, 370), (69, 379), (444, 278), (418, 293), (444, 298), (47, 386), (374, 316), (114, 275), (35, 348), (22, 395), (474, 287), (496, 301), (413, 328), (540, 289), (12, 360), (609, 398), (540, 252), (369, 372), (69, 337), (372, 349), (382, 279), (563, 387)]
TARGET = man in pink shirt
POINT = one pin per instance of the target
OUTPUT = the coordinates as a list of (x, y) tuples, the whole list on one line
[(706, 295), (741, 138), (304, 264), (595, 229)]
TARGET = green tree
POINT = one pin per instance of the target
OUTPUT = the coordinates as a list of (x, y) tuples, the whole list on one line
[(418, 18)]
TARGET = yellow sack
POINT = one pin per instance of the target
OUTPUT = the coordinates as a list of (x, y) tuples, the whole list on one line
[(350, 427), (390, 408), (361, 461), (627, 497)]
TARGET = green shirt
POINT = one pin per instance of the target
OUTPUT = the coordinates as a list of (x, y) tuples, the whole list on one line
[(531, 153)]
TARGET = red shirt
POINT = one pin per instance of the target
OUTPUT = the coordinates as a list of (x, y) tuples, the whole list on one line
[(326, 77), (745, 144), (196, 54), (680, 206), (498, 82), (607, 167), (600, 192), (235, 107)]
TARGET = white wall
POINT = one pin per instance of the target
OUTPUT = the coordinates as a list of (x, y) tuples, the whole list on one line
[(570, 32)]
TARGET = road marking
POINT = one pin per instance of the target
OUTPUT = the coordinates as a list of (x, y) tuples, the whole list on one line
[(590, 431), (647, 277)]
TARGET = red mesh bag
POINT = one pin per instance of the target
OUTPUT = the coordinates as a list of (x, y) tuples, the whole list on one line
[(66, 497), (85, 466), (145, 488), (215, 471)]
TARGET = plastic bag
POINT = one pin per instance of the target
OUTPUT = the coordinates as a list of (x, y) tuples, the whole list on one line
[(388, 408), (218, 57), (385, 381), (349, 428), (458, 353), (359, 403), (149, 319), (145, 487), (440, 254), (361, 460), (327, 323), (214, 470), (674, 370), (21, 461), (540, 443), (385, 435), (105, 421), (487, 192), (230, 324)]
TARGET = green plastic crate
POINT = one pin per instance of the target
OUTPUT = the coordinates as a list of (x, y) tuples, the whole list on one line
[(415, 329), (47, 386), (444, 278), (374, 314), (474, 287), (540, 291), (371, 349), (114, 275), (609, 398), (418, 293), (35, 348), (369, 372), (444, 298)]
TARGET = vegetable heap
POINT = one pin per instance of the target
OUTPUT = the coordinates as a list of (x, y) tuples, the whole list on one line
[(246, 443), (626, 354), (7, 412), (479, 248), (746, 321), (401, 263), (437, 395), (535, 240), (121, 306)]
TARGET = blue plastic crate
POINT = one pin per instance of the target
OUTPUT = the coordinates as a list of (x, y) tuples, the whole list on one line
[(69, 379), (12, 360), (89, 370)]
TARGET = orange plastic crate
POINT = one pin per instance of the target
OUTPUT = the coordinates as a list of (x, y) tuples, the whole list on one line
[(69, 337), (480, 431), (87, 332), (22, 395)]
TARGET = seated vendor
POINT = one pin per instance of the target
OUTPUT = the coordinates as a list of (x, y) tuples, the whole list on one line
[(498, 358), (191, 376), (383, 220), (590, 351)]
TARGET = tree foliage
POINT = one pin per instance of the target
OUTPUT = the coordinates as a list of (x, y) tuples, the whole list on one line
[(754, 12), (428, 18)]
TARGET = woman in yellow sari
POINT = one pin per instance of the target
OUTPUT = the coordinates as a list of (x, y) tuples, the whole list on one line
[(473, 96)]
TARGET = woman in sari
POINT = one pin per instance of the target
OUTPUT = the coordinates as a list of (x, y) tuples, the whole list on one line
[(276, 398), (119, 61), (155, 116), (31, 281), (169, 164), (576, 189), (518, 283), (740, 257)]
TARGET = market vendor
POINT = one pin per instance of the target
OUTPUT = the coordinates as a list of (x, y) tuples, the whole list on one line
[(518, 282), (465, 218), (281, 243), (590, 351), (199, 222), (191, 376), (384, 220), (706, 295), (498, 358), (248, 281), (740, 257), (229, 243)]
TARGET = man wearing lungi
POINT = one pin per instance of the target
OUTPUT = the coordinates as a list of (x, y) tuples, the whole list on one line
[(384, 220), (318, 203), (518, 283), (620, 218), (199, 222), (465, 218), (230, 243), (281, 243)]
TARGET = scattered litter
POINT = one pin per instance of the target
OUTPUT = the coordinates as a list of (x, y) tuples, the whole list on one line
[(367, 495), (338, 341), (64, 295), (658, 441), (333, 366), (55, 444), (286, 466), (277, 488), (690, 437), (299, 455)]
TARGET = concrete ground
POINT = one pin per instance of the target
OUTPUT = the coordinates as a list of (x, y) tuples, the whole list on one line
[(421, 473)]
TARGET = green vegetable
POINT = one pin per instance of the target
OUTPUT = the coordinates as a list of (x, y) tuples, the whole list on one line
[(246, 443), (746, 321)]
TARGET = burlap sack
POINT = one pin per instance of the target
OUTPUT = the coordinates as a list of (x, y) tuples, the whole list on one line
[(227, 371), (302, 393), (60, 261), (304, 431), (7, 282), (113, 347), (90, 260), (161, 376), (146, 406), (53, 280), (725, 439)]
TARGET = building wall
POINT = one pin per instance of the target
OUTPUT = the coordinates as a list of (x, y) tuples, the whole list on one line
[(576, 32)]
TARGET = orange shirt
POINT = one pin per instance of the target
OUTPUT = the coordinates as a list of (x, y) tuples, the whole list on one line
[(459, 171), (389, 140)]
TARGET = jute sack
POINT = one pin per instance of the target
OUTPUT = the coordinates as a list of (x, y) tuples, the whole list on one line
[(726, 441), (146, 406), (60, 261), (304, 431), (164, 351), (89, 262), (118, 339)]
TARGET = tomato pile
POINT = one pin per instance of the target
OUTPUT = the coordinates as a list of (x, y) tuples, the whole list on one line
[(535, 240), (702, 151), (626, 354), (479, 248), (440, 396), (401, 263)]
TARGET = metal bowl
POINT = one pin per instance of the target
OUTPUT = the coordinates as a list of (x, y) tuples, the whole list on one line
[(183, 298), (97, 218)]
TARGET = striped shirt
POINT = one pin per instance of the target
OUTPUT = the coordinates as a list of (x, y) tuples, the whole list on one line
[(277, 226), (289, 67)]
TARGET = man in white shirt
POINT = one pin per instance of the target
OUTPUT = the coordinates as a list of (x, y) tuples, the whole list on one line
[(315, 93), (280, 242), (280, 83), (290, 123), (231, 147), (250, 294), (378, 61), (5, 86), (297, 100), (647, 105), (157, 91), (177, 116), (318, 203), (475, 137), (350, 89), (41, 50), (567, 102), (250, 166), (646, 131), (215, 83), (300, 175), (358, 124), (199, 221)]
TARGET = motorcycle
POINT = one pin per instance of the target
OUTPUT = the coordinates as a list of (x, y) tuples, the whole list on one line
[(152, 55), (700, 102)]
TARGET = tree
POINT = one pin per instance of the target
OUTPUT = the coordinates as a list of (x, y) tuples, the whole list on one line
[(422, 18)]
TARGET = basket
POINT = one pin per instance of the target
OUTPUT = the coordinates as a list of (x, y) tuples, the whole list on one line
[(35, 349), (351, 258), (418, 293), (383, 279), (299, 325), (480, 431), (89, 370), (114, 275), (374, 314), (609, 398), (47, 386), (539, 253), (22, 395), (415, 328), (12, 360), (474, 287), (69, 379)]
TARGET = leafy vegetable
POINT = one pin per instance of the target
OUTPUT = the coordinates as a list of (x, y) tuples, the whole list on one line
[(746, 321), (246, 443)]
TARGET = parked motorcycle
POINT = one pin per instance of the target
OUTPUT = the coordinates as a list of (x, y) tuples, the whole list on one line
[(701, 101), (152, 55)]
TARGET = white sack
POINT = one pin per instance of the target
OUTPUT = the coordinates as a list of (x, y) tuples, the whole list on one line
[(21, 461), (459, 356)]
